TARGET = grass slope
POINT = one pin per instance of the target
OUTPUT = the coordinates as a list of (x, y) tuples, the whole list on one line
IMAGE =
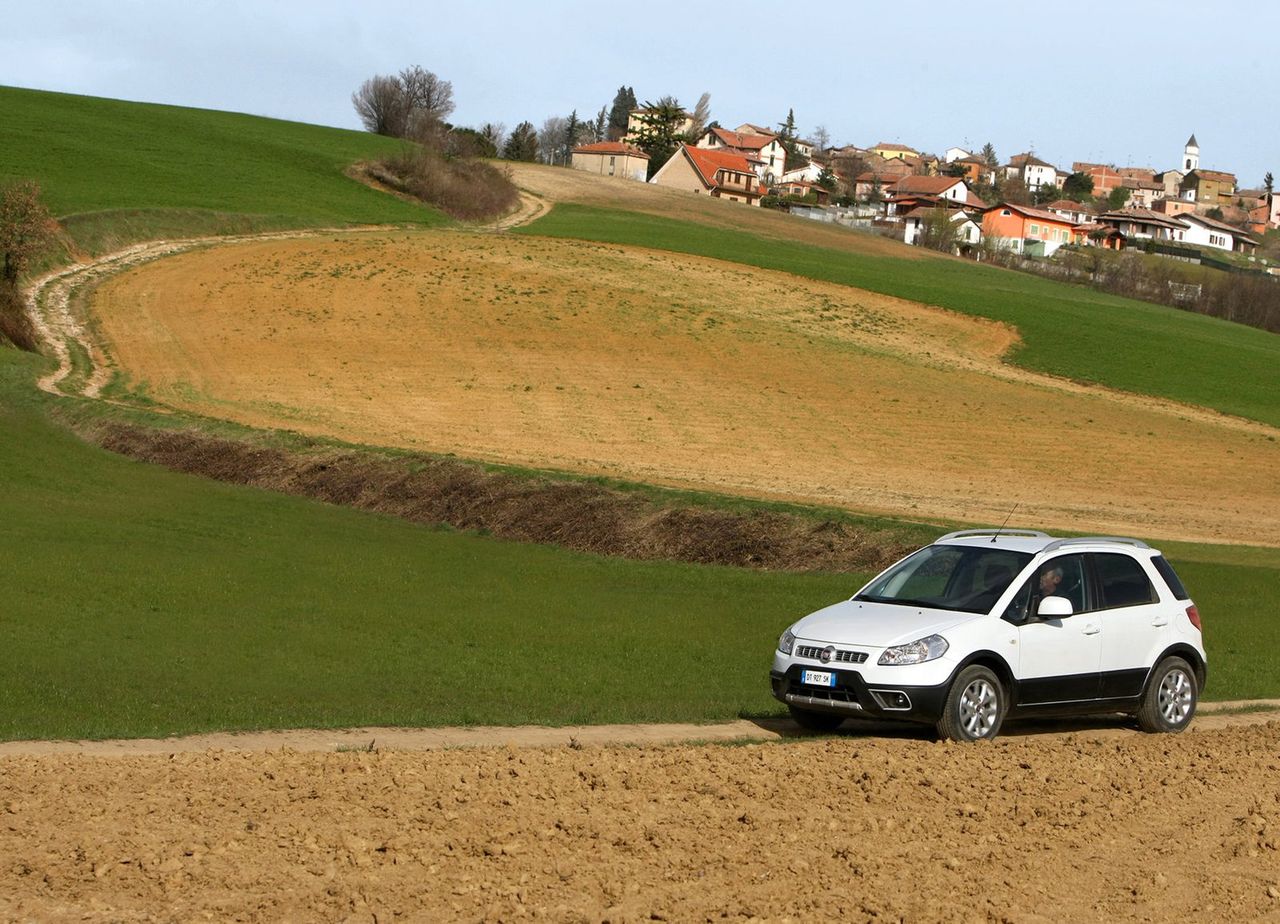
[(1067, 330), (142, 602), (93, 155)]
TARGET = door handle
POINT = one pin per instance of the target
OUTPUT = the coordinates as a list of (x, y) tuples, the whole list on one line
[(1090, 629), (1160, 621)]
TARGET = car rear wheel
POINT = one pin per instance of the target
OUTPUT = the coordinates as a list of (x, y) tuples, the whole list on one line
[(975, 706), (1169, 702), (816, 721)]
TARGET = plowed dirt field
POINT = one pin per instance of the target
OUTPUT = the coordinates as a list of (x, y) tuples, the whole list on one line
[(1028, 829), (674, 370)]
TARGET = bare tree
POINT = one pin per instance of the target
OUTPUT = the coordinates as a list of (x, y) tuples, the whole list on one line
[(412, 104), (26, 227), (427, 99), (700, 117), (551, 139), (821, 139), (380, 104)]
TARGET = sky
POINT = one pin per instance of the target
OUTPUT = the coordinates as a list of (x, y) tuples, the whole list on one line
[(1122, 82)]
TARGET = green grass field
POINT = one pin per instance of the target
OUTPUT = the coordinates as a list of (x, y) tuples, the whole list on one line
[(187, 171), (1067, 330), (141, 602)]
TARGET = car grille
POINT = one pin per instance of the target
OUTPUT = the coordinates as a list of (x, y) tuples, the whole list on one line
[(843, 657)]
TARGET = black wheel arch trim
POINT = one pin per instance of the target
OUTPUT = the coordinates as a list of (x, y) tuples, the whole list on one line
[(996, 663), (1188, 654)]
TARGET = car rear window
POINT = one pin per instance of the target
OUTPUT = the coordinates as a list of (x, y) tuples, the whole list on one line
[(1170, 577), (1123, 581)]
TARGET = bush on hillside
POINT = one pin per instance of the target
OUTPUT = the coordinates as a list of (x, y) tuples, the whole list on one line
[(15, 326), (26, 230), (461, 187)]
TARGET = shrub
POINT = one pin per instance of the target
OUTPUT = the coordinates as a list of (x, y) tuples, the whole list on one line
[(463, 188)]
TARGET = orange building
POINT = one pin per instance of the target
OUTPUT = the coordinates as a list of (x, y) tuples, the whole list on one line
[(1019, 227), (720, 174)]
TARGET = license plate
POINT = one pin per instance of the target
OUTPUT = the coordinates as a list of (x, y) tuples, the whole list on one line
[(818, 678)]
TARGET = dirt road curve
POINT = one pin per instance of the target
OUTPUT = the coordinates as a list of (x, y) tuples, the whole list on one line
[(1081, 827)]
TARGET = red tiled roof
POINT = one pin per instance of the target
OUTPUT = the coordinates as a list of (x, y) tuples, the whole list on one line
[(886, 146), (610, 147), (708, 162), (1069, 205), (743, 141), (929, 185), (1030, 212), (1217, 175)]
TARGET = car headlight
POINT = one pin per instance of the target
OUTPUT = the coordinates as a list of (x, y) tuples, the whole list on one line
[(917, 652), (787, 642)]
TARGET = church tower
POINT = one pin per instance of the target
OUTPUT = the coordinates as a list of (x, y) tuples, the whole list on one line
[(1190, 155)]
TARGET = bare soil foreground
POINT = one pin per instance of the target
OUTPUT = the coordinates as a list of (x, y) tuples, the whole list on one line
[(1027, 829), (673, 370)]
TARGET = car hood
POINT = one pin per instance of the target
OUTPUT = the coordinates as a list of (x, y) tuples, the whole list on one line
[(878, 625)]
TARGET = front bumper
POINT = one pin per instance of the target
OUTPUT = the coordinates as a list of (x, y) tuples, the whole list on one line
[(853, 696)]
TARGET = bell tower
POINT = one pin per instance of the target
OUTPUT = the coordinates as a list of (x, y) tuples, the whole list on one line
[(1191, 155)]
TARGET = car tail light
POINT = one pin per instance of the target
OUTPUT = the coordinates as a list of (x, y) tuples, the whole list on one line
[(1194, 615)]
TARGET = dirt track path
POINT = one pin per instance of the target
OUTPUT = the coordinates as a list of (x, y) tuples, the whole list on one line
[(1211, 716)]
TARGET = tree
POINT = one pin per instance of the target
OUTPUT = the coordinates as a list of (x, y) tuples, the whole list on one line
[(380, 105), (599, 130), (624, 103), (788, 127), (551, 139), (522, 143), (572, 128), (821, 140), (1078, 187), (495, 133), (411, 104), (1046, 192), (827, 179), (1013, 189), (658, 132), (1215, 213), (1268, 183), (1118, 197), (26, 228), (699, 119), (938, 231), (988, 155)]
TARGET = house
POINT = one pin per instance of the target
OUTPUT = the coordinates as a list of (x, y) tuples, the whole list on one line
[(1019, 228), (1137, 173), (1142, 193), (968, 229), (951, 155), (1144, 224), (1105, 177), (1094, 234), (765, 151), (1208, 232), (804, 148), (1077, 212), (947, 188), (976, 170), (1208, 187), (802, 189), (1172, 180), (719, 174), (612, 158), (1174, 206), (1033, 171), (891, 151), (809, 173)]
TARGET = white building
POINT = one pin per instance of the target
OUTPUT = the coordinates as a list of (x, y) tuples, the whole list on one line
[(764, 151), (1209, 233), (954, 154)]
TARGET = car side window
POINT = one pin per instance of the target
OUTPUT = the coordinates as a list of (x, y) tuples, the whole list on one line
[(1063, 576), (1122, 581)]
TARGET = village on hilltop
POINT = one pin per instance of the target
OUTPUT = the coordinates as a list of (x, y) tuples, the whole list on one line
[(969, 200)]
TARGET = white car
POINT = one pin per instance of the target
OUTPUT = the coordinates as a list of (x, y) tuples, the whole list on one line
[(984, 624)]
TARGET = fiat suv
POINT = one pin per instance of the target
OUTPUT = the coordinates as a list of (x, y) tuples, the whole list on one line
[(987, 624)]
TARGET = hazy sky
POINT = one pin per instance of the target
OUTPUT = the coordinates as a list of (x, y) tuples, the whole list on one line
[(1124, 81)]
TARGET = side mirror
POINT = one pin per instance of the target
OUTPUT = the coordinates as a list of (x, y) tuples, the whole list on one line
[(1054, 608)]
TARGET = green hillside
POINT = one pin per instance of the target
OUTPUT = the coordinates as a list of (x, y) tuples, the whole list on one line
[(95, 155), (1067, 330)]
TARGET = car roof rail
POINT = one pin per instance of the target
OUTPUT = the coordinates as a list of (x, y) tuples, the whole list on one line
[(1093, 540), (967, 533)]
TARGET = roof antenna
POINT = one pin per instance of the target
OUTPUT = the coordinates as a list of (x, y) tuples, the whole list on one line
[(1005, 523)]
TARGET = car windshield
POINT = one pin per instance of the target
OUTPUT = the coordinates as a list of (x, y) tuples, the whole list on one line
[(948, 577)]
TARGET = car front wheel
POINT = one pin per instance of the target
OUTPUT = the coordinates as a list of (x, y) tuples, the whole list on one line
[(975, 706), (1169, 702)]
